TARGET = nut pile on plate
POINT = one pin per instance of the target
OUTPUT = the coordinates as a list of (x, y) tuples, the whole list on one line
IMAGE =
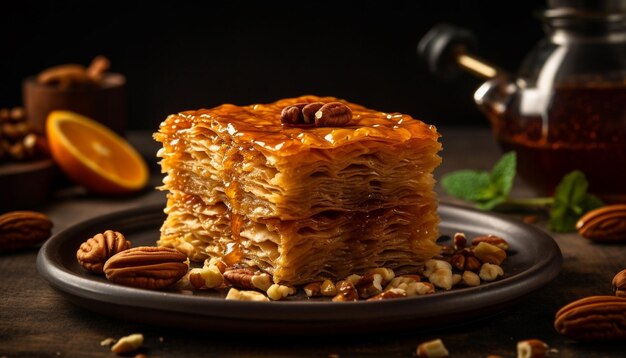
[(155, 268)]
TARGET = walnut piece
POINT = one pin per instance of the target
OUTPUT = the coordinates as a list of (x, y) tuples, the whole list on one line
[(490, 272), (487, 252), (206, 277), (277, 292), (235, 294), (93, 253)]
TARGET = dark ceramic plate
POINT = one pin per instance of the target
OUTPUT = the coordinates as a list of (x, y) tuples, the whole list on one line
[(534, 260)]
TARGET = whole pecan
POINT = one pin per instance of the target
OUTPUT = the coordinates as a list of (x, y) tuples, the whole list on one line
[(146, 267), (606, 224), (619, 284), (94, 252), (292, 115), (595, 318), (333, 114), (22, 229)]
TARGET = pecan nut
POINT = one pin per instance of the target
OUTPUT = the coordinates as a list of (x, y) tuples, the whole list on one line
[(606, 224), (247, 279), (619, 284), (22, 229), (146, 267), (292, 115), (595, 318), (491, 239), (94, 252), (333, 114)]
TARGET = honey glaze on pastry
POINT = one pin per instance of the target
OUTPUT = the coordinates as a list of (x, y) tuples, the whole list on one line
[(302, 202)]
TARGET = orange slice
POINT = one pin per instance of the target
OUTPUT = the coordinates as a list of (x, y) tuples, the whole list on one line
[(94, 156)]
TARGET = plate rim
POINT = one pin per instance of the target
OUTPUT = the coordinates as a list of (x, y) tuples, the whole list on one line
[(456, 301)]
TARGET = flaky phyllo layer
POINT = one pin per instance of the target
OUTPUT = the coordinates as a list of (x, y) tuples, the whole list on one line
[(300, 203)]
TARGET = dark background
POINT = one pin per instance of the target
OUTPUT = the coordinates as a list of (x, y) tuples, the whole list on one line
[(193, 54)]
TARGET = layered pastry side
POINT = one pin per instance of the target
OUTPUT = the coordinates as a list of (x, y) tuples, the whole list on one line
[(302, 203)]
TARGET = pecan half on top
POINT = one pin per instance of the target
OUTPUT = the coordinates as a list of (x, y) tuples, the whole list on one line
[(333, 114), (94, 252), (146, 267)]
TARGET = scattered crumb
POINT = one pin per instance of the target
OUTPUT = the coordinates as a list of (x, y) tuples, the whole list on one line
[(128, 343), (161, 339), (530, 219), (107, 341), (186, 292), (141, 355), (333, 355)]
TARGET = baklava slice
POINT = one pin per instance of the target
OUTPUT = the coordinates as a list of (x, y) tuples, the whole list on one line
[(300, 201)]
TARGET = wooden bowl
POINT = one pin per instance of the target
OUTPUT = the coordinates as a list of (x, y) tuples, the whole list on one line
[(106, 103), (26, 186)]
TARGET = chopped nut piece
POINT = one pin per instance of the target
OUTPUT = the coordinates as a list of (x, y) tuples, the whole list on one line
[(432, 349), (472, 263), (400, 282), (313, 289), (531, 348), (328, 288), (128, 343), (107, 341), (421, 288), (492, 254), (458, 261), (442, 278), (409, 285), (346, 292), (386, 273), (456, 279), (459, 241), (433, 265), (277, 292), (471, 279), (392, 293), (353, 278), (493, 240), (489, 272), (235, 294), (206, 277), (214, 261), (247, 279), (369, 285)]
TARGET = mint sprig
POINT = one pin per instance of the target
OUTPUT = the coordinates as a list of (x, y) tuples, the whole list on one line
[(490, 190)]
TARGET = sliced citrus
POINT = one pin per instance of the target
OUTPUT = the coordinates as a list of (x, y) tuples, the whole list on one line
[(94, 156)]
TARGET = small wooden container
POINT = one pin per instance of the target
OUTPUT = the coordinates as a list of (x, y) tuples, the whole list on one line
[(105, 103)]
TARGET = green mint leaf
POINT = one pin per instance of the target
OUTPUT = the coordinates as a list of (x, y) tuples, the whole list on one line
[(571, 201), (486, 190), (503, 173), (466, 184)]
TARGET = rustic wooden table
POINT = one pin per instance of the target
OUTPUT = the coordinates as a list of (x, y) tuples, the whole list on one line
[(36, 321)]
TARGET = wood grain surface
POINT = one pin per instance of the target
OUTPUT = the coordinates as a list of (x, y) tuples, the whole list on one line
[(37, 321)]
